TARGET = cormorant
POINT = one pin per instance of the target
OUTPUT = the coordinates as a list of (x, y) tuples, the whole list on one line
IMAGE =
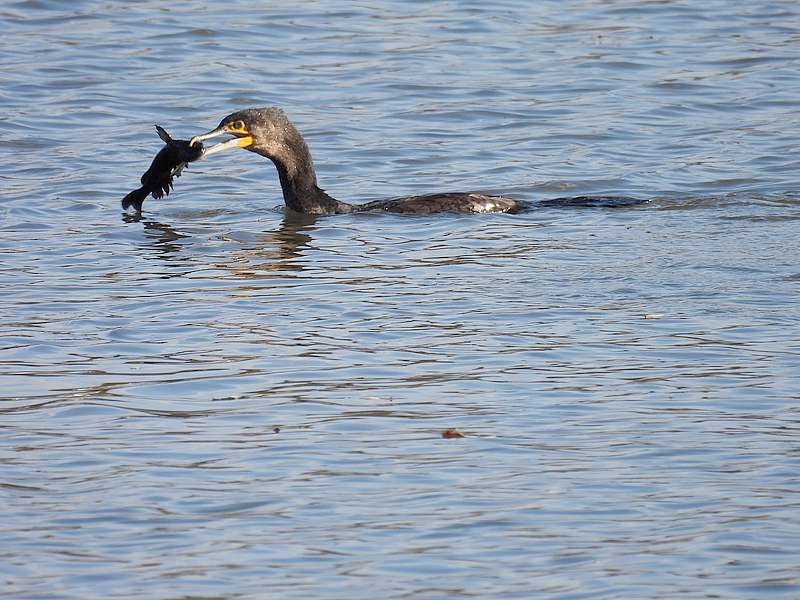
[(268, 132)]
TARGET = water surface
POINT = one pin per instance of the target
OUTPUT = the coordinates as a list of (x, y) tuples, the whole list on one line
[(220, 400)]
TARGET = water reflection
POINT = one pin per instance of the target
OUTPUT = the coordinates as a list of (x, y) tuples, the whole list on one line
[(145, 365), (274, 251), (252, 258)]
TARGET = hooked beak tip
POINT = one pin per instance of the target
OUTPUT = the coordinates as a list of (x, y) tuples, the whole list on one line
[(207, 136), (237, 142)]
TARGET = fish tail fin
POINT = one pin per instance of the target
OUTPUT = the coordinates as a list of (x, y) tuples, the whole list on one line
[(135, 199), (162, 133)]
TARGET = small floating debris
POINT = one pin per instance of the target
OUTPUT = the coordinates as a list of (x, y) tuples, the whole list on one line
[(167, 164), (452, 433), (653, 316)]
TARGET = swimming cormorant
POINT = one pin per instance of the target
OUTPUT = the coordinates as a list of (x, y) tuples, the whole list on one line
[(268, 132)]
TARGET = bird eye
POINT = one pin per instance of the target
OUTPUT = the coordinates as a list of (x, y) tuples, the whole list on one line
[(239, 125)]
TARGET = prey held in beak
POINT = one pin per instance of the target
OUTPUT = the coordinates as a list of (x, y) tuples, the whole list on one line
[(167, 164)]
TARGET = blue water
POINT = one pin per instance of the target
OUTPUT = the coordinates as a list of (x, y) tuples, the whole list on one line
[(220, 400)]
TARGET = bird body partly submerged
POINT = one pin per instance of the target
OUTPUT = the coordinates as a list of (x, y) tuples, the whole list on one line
[(167, 164), (269, 133), (458, 202)]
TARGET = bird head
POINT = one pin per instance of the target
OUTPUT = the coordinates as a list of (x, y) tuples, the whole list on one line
[(260, 130)]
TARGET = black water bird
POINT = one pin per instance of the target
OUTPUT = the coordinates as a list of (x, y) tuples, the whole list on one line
[(167, 164), (268, 132)]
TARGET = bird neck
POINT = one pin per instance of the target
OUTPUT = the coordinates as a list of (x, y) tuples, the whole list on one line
[(299, 181), (301, 193)]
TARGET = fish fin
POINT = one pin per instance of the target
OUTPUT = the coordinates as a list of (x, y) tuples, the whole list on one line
[(135, 199), (162, 133), (162, 190), (176, 172)]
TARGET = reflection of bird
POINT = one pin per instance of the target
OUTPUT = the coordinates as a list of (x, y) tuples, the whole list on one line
[(168, 164), (268, 132)]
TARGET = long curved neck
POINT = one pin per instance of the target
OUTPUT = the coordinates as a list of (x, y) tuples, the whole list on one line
[(298, 179), (301, 193)]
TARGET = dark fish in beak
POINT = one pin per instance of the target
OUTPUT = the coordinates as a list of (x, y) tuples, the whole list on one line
[(168, 164)]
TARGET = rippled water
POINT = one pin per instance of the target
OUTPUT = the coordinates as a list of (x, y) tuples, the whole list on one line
[(223, 401)]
